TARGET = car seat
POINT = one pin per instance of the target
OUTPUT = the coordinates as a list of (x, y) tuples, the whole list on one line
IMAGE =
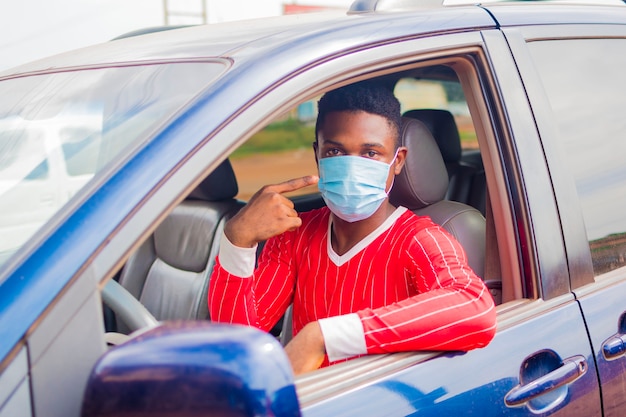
[(467, 183), (422, 185), (169, 273)]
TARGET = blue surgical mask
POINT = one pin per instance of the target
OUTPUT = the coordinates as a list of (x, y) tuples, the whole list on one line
[(353, 187)]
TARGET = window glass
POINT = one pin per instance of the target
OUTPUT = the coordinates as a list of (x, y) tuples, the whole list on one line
[(588, 101), (57, 130), (22, 155)]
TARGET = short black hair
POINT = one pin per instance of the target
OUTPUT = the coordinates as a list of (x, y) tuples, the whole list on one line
[(367, 96)]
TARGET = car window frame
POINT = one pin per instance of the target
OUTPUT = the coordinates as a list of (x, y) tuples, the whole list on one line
[(535, 201)]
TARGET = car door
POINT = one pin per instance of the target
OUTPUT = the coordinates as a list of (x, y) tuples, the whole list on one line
[(540, 360), (587, 161), (51, 317)]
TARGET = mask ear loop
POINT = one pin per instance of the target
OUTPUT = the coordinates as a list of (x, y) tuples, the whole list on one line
[(393, 179)]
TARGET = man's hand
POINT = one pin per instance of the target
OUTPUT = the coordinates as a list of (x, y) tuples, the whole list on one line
[(267, 214), (306, 350)]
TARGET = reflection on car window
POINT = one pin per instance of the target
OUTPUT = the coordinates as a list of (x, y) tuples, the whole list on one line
[(584, 101), (80, 149), (22, 155), (58, 130)]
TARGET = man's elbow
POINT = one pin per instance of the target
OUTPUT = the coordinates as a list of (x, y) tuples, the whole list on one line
[(485, 326)]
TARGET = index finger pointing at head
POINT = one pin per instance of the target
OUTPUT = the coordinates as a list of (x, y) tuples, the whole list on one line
[(294, 184)]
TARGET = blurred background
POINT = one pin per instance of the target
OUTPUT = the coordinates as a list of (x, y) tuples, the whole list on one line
[(33, 29)]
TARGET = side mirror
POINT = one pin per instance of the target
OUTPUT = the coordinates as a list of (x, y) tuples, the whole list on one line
[(193, 369)]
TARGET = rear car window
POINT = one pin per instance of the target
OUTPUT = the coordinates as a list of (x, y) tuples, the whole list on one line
[(588, 101)]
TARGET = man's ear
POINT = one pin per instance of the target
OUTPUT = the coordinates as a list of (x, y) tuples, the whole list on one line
[(400, 159)]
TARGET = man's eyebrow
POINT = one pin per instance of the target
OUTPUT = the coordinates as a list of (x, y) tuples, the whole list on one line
[(332, 143), (372, 145), (363, 145)]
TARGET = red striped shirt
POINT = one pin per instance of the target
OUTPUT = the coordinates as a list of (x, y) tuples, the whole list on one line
[(409, 284)]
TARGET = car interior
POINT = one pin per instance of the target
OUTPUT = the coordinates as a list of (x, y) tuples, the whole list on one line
[(442, 178)]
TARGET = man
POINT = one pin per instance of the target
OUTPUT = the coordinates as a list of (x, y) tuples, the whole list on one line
[(364, 276)]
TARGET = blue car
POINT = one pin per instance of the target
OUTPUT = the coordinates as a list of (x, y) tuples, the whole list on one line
[(121, 162)]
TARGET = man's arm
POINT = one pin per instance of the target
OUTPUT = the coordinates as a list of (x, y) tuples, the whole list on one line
[(306, 350), (238, 293), (268, 213), (453, 311), (259, 299)]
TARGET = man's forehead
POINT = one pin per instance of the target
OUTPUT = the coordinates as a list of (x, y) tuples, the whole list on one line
[(341, 126)]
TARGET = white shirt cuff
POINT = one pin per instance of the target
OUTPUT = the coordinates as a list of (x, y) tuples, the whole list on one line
[(235, 260), (343, 336)]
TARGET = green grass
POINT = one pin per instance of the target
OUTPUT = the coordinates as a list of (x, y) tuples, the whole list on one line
[(279, 136)]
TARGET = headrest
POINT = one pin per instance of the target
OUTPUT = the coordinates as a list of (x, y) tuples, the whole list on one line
[(443, 127), (424, 179), (221, 184)]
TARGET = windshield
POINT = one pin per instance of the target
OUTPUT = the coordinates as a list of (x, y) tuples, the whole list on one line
[(58, 130)]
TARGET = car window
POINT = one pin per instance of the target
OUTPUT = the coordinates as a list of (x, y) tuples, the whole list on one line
[(432, 95), (280, 151), (68, 126), (587, 100)]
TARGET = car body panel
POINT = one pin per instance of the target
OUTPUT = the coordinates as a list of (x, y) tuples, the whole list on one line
[(14, 387), (529, 180), (575, 241), (459, 382), (604, 306)]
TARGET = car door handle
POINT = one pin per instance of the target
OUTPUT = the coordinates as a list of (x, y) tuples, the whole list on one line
[(572, 369), (614, 347)]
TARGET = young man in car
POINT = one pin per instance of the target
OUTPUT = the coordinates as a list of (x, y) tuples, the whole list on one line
[(364, 276)]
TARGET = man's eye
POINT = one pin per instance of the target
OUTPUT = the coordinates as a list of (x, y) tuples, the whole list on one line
[(333, 152), (371, 154)]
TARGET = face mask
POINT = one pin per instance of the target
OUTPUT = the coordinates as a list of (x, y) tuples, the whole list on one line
[(353, 187)]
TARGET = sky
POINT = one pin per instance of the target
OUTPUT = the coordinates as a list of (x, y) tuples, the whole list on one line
[(33, 29)]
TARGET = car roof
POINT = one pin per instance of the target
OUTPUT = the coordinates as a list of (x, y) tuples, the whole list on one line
[(241, 39), (330, 31)]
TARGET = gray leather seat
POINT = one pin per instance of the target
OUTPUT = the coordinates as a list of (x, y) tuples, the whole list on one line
[(466, 174), (422, 185), (169, 273)]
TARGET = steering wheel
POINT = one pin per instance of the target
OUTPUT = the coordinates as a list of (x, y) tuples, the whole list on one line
[(127, 307)]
